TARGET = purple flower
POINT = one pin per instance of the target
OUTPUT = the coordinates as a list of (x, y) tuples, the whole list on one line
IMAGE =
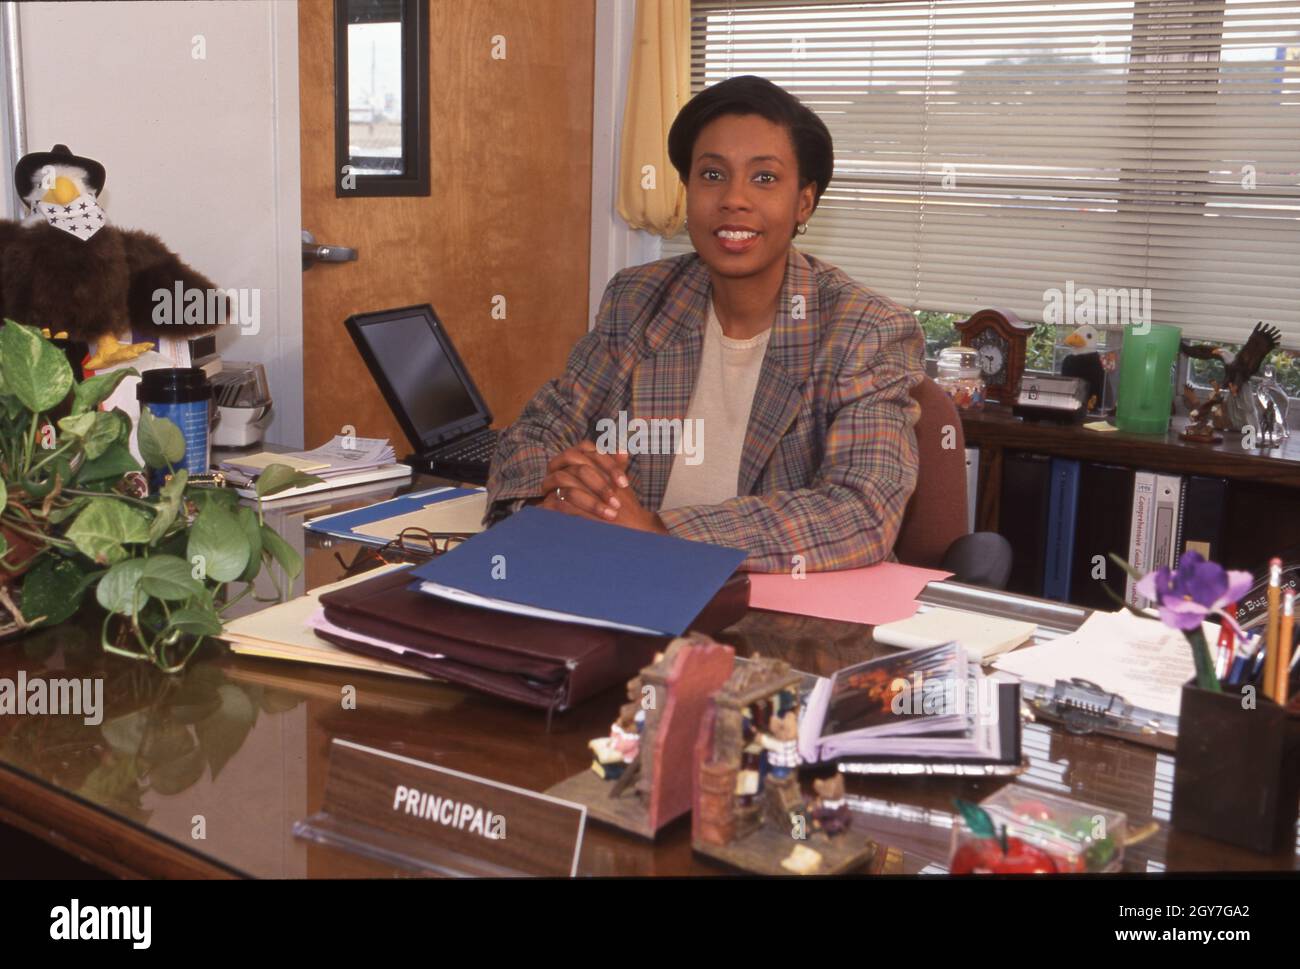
[(1196, 590)]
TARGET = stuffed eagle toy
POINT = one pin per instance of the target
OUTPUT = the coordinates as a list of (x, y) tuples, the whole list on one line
[(67, 269)]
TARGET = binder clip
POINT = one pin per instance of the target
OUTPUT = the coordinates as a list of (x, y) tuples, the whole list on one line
[(1083, 707)]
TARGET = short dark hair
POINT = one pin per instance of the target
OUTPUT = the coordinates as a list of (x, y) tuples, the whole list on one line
[(749, 94)]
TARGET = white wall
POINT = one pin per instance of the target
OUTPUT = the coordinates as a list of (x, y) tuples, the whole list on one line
[(201, 151)]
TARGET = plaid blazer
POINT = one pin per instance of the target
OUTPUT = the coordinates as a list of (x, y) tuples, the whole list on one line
[(829, 459)]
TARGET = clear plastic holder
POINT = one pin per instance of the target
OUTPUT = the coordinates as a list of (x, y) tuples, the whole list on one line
[(1041, 829)]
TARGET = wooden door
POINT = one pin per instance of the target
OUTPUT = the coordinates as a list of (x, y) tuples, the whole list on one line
[(507, 222)]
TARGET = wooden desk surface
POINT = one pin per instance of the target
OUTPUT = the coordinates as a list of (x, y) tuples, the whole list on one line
[(235, 750)]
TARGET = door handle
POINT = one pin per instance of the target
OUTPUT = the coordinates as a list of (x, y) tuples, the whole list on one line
[(312, 252)]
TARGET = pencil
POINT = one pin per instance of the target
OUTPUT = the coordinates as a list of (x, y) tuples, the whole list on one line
[(1280, 690), (1270, 638)]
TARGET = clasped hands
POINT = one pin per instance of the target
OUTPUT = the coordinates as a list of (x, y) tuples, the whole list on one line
[(581, 480)]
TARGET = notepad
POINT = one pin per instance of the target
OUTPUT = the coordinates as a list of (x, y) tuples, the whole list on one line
[(259, 462), (983, 637)]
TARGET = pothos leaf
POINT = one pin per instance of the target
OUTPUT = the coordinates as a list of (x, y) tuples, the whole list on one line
[(96, 430), (53, 589), (169, 504), (252, 533), (197, 622), (93, 391), (282, 552), (104, 526), (35, 370), (114, 462), (160, 441), (168, 577), (218, 538), (278, 477), (119, 590)]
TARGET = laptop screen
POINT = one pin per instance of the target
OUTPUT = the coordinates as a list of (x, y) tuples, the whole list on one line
[(421, 375)]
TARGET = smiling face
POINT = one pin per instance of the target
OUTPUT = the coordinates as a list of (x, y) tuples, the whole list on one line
[(743, 199)]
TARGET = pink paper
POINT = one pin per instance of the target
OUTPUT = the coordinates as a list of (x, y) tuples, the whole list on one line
[(877, 594)]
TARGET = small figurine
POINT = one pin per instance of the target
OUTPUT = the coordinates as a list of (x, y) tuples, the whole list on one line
[(614, 753), (1085, 361), (1270, 401), (830, 810), (1238, 368), (617, 752), (1205, 416), (782, 745)]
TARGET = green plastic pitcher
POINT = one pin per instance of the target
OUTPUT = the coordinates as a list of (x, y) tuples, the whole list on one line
[(1146, 379)]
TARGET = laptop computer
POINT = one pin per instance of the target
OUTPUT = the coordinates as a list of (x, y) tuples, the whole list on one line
[(428, 389)]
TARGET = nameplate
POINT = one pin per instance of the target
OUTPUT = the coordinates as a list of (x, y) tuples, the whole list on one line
[(424, 817)]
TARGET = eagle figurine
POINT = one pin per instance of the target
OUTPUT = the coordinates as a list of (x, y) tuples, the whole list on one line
[(66, 268), (1238, 368)]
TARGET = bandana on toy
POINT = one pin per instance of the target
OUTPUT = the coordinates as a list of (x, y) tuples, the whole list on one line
[(82, 217)]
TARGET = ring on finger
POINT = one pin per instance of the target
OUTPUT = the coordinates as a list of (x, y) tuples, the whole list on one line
[(559, 493)]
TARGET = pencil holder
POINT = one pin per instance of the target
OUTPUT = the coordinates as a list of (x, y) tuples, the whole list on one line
[(1237, 770)]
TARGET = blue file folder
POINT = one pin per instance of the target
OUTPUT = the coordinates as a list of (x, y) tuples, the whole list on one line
[(604, 573), (351, 524)]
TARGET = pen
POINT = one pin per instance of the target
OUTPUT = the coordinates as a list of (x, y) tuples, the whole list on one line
[(1270, 639), (1234, 673), (1244, 664), (1227, 645), (1284, 635)]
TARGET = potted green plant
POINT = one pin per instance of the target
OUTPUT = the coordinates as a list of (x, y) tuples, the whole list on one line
[(76, 517)]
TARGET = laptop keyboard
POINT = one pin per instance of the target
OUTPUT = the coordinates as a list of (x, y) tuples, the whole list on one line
[(476, 449)]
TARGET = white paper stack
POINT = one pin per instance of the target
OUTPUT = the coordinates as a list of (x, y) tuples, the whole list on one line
[(1141, 660), (343, 455), (342, 463)]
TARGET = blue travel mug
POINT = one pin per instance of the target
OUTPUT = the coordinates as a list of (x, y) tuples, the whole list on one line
[(184, 397)]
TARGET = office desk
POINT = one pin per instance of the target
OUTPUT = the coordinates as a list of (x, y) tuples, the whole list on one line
[(236, 750)]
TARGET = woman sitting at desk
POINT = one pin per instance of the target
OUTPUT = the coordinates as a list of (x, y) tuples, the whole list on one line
[(782, 383)]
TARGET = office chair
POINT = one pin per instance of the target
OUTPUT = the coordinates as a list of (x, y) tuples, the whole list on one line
[(935, 531)]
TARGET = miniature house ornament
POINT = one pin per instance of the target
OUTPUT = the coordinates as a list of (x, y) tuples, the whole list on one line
[(750, 810), (640, 775)]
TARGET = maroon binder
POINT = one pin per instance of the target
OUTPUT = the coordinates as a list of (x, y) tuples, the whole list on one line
[(538, 662)]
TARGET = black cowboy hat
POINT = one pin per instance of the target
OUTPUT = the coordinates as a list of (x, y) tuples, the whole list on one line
[(29, 166)]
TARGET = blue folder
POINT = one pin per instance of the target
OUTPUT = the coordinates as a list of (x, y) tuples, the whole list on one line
[(351, 524), (550, 560)]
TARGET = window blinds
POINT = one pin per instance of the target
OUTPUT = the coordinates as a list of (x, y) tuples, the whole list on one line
[(1010, 153)]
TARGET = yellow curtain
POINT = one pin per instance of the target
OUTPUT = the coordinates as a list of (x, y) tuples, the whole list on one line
[(650, 195)]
